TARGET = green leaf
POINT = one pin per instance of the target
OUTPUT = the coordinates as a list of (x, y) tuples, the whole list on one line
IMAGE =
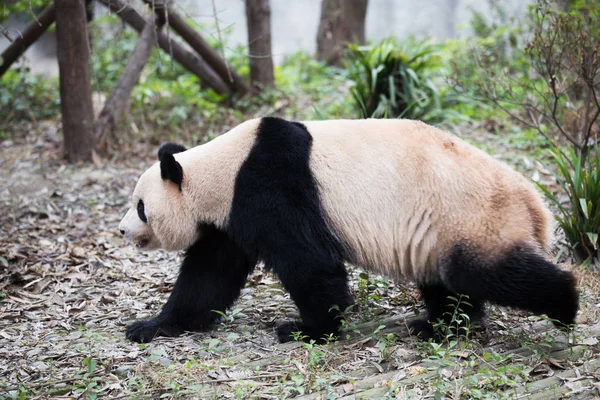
[(593, 239), (90, 363), (319, 113), (221, 313), (584, 207), (380, 327), (3, 261)]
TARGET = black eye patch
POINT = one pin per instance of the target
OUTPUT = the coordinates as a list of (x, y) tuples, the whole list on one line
[(140, 210)]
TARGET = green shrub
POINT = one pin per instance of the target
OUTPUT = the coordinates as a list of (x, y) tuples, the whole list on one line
[(28, 8), (580, 217), (166, 96), (545, 75), (494, 53), (309, 82), (392, 80), (25, 96)]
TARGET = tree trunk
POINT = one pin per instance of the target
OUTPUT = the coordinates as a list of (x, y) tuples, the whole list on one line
[(75, 91), (342, 22), (189, 60), (29, 36), (196, 41), (258, 20), (115, 104)]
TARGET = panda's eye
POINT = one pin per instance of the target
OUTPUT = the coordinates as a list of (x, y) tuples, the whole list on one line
[(140, 210)]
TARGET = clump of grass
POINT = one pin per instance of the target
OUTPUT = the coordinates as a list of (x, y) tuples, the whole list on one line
[(396, 80), (580, 217)]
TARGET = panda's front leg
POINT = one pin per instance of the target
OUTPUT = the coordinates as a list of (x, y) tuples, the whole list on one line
[(211, 276), (321, 293)]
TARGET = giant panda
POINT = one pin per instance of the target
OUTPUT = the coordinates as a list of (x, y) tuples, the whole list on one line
[(396, 197)]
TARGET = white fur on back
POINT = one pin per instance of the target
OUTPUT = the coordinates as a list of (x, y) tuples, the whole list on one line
[(401, 193)]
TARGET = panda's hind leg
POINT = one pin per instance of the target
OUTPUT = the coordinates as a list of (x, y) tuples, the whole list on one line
[(446, 310), (520, 278)]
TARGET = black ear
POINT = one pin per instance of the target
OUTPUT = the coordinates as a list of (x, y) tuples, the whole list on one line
[(170, 148), (170, 169)]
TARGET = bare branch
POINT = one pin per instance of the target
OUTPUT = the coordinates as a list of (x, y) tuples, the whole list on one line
[(32, 33), (187, 59), (214, 7), (4, 32)]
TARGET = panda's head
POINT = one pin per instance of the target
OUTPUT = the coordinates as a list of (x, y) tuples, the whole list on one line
[(159, 217)]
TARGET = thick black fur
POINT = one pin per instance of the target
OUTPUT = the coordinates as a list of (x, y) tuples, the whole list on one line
[(172, 148), (212, 274), (520, 279), (276, 217), (170, 169)]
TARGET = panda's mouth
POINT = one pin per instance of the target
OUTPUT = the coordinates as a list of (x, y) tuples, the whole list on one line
[(142, 243)]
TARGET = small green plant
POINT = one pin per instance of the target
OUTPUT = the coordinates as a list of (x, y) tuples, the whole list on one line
[(363, 296), (395, 80), (231, 316), (580, 217), (488, 375), (457, 325), (90, 381), (386, 345), (346, 323), (316, 354)]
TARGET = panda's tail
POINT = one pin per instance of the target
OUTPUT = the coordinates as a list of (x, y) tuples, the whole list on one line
[(521, 279)]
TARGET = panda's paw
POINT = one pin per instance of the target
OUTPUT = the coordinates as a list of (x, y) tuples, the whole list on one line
[(285, 331), (421, 328), (145, 331)]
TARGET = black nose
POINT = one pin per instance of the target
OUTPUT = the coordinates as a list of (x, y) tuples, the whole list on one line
[(122, 231)]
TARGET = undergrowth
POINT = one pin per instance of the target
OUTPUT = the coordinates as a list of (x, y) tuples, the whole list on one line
[(579, 217), (397, 79)]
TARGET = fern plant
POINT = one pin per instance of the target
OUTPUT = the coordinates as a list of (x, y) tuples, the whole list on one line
[(580, 217), (392, 80)]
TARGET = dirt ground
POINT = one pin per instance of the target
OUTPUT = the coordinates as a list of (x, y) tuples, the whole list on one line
[(70, 284)]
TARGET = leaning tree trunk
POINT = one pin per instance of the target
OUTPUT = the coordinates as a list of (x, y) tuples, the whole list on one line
[(75, 90), (211, 57), (25, 39), (258, 19), (342, 22), (186, 58), (115, 104)]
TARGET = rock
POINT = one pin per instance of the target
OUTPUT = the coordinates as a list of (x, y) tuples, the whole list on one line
[(164, 361), (122, 371), (39, 365)]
